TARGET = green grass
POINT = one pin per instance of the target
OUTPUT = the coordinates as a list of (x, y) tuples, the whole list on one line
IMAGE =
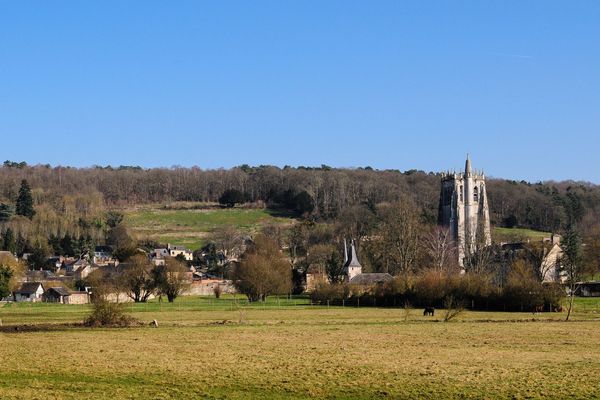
[(519, 233), (288, 349), (191, 227)]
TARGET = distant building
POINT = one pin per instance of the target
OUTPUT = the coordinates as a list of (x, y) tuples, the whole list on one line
[(353, 270), (352, 266), (29, 292), (64, 296), (56, 295), (464, 210), (315, 276), (103, 255), (174, 251)]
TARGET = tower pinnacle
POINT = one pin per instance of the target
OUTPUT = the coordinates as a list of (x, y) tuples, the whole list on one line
[(468, 165)]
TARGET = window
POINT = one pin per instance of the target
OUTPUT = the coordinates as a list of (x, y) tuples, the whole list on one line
[(476, 194), (461, 193)]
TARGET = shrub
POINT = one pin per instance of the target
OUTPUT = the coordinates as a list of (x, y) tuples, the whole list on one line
[(217, 290), (105, 313)]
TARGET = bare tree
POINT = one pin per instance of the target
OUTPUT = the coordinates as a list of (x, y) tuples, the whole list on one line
[(397, 236), (572, 265), (263, 270), (440, 249), (170, 279), (137, 278)]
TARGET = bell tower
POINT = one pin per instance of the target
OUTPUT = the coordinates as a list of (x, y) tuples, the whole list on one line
[(464, 210)]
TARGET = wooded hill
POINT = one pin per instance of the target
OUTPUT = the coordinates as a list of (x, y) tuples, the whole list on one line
[(76, 196)]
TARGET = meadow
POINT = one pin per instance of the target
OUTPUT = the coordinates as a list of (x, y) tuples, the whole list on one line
[(287, 348), (516, 234), (191, 226)]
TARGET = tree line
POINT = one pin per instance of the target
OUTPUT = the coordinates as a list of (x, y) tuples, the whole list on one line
[(326, 191)]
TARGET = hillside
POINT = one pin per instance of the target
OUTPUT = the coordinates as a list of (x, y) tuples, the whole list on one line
[(191, 226)]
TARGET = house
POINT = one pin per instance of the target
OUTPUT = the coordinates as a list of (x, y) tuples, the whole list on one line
[(55, 263), (64, 296), (103, 255), (29, 291), (158, 256), (174, 251), (83, 272), (72, 266), (56, 295), (550, 253)]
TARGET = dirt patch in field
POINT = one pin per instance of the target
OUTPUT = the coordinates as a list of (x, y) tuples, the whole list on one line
[(59, 327), (39, 327)]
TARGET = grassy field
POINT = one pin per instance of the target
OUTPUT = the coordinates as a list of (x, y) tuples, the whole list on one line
[(191, 227), (508, 234), (207, 348)]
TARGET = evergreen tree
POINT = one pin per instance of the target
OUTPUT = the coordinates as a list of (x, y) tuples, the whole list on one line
[(24, 205), (21, 245), (572, 265), (5, 212), (5, 276), (8, 240)]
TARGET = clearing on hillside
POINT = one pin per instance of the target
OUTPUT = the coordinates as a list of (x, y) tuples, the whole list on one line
[(190, 227), (515, 234)]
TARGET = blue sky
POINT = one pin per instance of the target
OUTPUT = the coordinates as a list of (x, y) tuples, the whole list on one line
[(390, 84)]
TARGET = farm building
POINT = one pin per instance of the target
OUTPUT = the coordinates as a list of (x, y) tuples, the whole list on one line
[(29, 291), (64, 296), (56, 295)]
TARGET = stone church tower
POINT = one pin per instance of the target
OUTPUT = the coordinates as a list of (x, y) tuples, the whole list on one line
[(464, 210)]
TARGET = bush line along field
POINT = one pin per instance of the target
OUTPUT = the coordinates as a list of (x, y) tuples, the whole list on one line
[(190, 227), (284, 348)]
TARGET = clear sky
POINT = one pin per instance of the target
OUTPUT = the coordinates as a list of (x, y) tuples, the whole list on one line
[(389, 84)]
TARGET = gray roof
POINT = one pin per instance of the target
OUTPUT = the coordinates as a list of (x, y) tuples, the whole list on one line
[(60, 290), (29, 287), (353, 259), (369, 279)]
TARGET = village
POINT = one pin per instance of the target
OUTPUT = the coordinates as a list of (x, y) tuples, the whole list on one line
[(464, 215)]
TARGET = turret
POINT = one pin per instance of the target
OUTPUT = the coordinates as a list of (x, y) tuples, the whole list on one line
[(352, 266), (468, 166)]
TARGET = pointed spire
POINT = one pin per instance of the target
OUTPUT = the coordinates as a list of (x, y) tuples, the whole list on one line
[(468, 165), (345, 252), (353, 261)]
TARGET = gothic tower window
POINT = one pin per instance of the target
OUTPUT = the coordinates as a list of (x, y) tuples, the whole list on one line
[(461, 193), (476, 194)]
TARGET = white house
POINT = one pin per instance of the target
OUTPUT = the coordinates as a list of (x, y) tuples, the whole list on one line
[(174, 251), (29, 291)]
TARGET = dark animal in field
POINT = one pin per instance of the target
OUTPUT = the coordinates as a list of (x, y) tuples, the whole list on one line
[(429, 311), (538, 309)]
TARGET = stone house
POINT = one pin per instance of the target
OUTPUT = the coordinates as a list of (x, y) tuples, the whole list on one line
[(174, 251)]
